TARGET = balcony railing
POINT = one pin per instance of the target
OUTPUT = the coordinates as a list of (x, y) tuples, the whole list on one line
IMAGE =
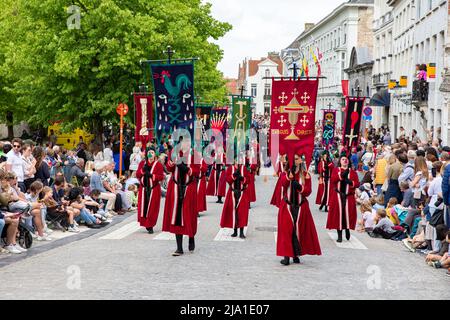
[(420, 91), (267, 97), (381, 79)]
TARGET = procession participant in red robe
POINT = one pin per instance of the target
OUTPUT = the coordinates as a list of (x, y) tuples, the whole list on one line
[(297, 235), (325, 169), (251, 168), (201, 188), (277, 196), (180, 211), (217, 183), (150, 172), (236, 207), (342, 212)]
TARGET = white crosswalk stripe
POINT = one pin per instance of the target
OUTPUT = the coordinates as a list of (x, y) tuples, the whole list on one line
[(224, 234), (354, 243), (165, 236), (122, 232)]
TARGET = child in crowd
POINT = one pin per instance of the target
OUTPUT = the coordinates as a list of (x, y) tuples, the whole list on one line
[(379, 203), (86, 186), (366, 193), (368, 215), (441, 259), (61, 218), (95, 205), (132, 193), (390, 211), (384, 226)]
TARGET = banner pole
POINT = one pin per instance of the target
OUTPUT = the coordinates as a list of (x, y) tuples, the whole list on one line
[(121, 144)]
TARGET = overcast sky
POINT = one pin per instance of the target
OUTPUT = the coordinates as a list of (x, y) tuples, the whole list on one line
[(260, 26)]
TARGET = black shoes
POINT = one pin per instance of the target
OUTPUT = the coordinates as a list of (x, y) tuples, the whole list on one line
[(285, 261), (191, 244), (219, 200), (347, 234), (296, 260), (177, 253), (234, 233), (339, 239), (241, 234), (150, 230)]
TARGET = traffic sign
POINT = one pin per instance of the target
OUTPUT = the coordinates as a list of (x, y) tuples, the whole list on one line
[(367, 111), (122, 109)]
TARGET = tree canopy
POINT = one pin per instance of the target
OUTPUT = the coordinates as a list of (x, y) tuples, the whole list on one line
[(50, 71)]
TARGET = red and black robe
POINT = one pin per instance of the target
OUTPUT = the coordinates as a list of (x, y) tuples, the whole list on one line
[(277, 196), (236, 206), (150, 174), (180, 210), (323, 193), (297, 235), (342, 212), (217, 183), (252, 169), (201, 188)]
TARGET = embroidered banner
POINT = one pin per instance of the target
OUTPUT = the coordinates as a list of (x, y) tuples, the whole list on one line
[(352, 123), (292, 120), (202, 121), (219, 121), (144, 117), (328, 127), (241, 116), (174, 96)]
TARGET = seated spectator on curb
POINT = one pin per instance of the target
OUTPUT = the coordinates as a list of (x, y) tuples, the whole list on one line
[(366, 223), (97, 183), (77, 172), (440, 259), (390, 211), (18, 204), (384, 226), (10, 221)]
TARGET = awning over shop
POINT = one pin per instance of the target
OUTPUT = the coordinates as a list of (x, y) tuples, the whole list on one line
[(381, 99)]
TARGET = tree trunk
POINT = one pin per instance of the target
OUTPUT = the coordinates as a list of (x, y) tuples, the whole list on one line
[(9, 124), (97, 130)]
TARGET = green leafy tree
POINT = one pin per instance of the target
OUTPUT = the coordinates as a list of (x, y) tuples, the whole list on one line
[(79, 75)]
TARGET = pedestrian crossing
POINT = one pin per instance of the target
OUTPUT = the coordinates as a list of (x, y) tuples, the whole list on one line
[(224, 235), (354, 243), (122, 232)]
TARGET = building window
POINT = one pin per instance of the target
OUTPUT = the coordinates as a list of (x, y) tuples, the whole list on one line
[(254, 89), (267, 73), (267, 89), (267, 108)]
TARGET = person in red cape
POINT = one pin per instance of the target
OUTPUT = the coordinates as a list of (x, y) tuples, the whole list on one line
[(236, 207), (217, 181), (297, 235), (201, 188), (325, 169), (342, 214), (277, 196), (150, 173), (252, 167), (180, 210)]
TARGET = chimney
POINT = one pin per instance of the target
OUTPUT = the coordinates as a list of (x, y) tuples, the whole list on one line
[(308, 26)]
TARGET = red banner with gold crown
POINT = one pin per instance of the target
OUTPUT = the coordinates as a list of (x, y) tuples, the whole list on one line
[(292, 120)]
